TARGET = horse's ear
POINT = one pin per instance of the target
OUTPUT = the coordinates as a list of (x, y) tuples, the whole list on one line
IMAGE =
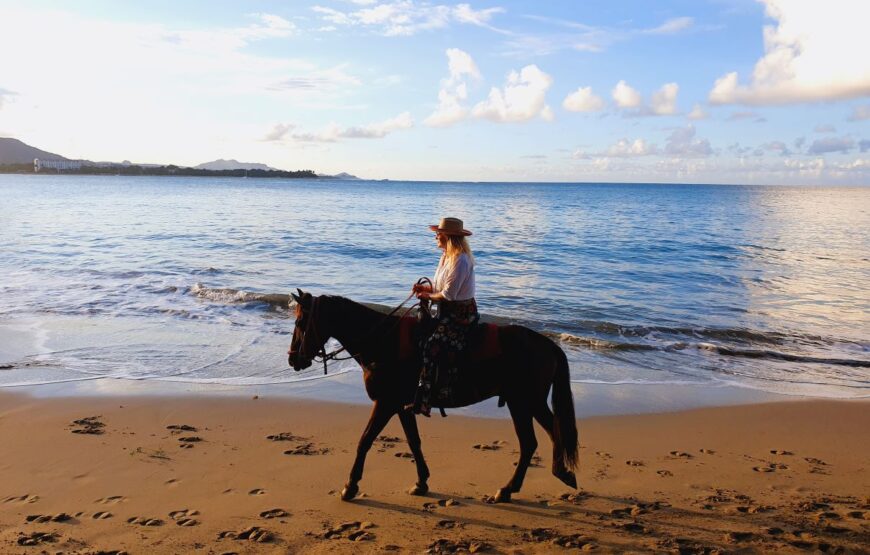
[(301, 294), (294, 297)]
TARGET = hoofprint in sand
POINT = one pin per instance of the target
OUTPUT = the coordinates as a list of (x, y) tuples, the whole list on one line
[(184, 474)]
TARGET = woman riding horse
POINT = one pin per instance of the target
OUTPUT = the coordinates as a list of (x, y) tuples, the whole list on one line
[(453, 290)]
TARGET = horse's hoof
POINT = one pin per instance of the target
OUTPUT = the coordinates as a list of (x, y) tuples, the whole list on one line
[(567, 478), (349, 492), (503, 496), (419, 489)]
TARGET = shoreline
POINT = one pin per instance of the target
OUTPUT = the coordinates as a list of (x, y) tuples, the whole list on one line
[(590, 400), (782, 476)]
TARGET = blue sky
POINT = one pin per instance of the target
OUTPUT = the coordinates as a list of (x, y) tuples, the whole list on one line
[(717, 91)]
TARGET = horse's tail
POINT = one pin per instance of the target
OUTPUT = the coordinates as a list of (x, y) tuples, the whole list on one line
[(564, 424)]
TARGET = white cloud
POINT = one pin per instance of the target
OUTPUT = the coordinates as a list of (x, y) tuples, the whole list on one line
[(279, 131), (454, 90), (825, 128), (625, 148), (316, 80), (582, 37), (583, 100), (5, 95), (860, 113), (777, 146), (745, 115), (625, 96), (334, 132), (698, 113), (152, 91), (831, 144), (522, 98), (683, 143), (815, 52), (408, 17), (664, 102), (671, 26)]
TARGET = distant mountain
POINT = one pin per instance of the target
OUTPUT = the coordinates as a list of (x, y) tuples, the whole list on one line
[(342, 175), (222, 164), (13, 151)]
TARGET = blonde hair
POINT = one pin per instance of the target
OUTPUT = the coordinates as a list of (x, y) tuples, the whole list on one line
[(456, 245)]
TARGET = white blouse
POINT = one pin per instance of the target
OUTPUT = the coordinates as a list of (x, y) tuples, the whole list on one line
[(454, 278)]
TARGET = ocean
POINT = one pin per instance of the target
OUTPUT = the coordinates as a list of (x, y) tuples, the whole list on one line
[(159, 279)]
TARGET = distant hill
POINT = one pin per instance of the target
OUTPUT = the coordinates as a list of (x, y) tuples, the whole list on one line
[(219, 165), (342, 175), (13, 151)]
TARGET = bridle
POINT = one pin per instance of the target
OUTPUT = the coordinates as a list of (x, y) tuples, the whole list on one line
[(322, 356)]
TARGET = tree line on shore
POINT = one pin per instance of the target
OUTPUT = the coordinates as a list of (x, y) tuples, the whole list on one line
[(170, 170)]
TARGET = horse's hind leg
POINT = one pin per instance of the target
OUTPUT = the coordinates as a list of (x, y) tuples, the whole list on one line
[(522, 418), (545, 419), (409, 424), (381, 414)]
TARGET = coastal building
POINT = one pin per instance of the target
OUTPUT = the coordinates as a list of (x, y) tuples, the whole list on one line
[(60, 165)]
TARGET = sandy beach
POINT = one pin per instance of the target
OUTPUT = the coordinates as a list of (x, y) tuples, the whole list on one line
[(151, 474)]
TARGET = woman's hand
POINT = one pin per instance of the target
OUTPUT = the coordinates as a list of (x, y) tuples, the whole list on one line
[(424, 295), (421, 287)]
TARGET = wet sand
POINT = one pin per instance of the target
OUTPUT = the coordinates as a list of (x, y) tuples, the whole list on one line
[(150, 474)]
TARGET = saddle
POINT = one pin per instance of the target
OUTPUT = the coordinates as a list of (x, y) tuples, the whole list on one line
[(482, 339)]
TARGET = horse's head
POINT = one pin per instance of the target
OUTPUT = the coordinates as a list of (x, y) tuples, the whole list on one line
[(308, 335)]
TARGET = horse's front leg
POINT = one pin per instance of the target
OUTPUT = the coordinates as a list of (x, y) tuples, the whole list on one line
[(381, 414), (409, 424)]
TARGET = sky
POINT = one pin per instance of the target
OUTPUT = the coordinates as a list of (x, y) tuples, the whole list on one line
[(686, 91)]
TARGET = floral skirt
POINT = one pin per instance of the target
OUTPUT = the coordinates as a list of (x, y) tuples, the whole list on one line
[(442, 348)]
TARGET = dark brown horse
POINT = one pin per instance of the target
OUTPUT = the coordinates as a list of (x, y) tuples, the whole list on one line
[(521, 374)]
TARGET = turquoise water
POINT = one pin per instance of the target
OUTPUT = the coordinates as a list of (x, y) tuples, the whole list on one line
[(154, 278)]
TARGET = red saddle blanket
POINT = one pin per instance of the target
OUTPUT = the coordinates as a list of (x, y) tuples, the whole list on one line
[(482, 341)]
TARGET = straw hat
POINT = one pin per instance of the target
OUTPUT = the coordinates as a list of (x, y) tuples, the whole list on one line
[(450, 226)]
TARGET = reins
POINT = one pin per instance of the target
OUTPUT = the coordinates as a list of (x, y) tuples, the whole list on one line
[(325, 357)]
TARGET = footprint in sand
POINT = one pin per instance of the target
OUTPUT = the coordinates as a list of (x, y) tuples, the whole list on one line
[(274, 513), (112, 500), (494, 446), (680, 455), (603, 455), (22, 499), (188, 441), (286, 436), (307, 449), (178, 428), (36, 538), (444, 545), (184, 517), (405, 455), (446, 524), (144, 521), (770, 467), (780, 452), (253, 534), (390, 439), (631, 462), (813, 460), (549, 535), (664, 473), (60, 517), (90, 425), (102, 515), (257, 491), (707, 451), (353, 531)]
